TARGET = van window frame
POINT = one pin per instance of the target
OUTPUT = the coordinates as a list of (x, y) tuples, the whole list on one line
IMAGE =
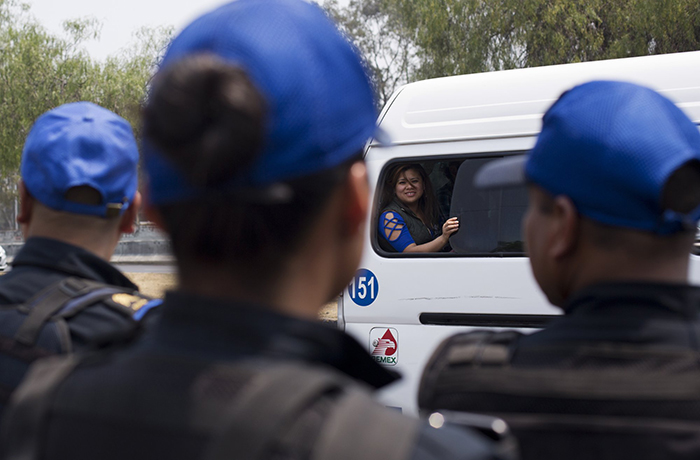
[(374, 234)]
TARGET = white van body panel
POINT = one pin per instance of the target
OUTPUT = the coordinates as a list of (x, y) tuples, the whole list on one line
[(511, 103), (471, 115)]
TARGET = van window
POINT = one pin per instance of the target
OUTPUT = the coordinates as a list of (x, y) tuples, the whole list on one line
[(490, 221)]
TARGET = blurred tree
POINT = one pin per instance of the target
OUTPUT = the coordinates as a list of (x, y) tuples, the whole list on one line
[(464, 36), (39, 71), (385, 44)]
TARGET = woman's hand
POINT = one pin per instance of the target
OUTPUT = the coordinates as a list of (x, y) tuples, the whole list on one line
[(450, 226)]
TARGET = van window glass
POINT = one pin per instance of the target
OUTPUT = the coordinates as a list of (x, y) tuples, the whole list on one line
[(490, 220)]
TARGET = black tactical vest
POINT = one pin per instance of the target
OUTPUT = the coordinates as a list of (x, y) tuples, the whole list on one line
[(256, 409), (40, 326), (628, 403)]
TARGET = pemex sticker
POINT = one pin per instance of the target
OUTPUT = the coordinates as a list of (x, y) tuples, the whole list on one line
[(384, 345)]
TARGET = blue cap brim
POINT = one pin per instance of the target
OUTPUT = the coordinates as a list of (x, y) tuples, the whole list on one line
[(506, 172)]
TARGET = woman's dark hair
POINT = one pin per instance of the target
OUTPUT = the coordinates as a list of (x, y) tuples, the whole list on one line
[(428, 209), (208, 118)]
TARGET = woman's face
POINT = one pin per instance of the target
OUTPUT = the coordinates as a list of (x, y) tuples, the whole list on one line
[(409, 187)]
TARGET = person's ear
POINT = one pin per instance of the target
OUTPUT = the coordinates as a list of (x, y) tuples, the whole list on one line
[(26, 205), (356, 202), (126, 224), (566, 230)]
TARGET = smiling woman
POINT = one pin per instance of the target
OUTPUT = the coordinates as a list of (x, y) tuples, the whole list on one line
[(410, 219)]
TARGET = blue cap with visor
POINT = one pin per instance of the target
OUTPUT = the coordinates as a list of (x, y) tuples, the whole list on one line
[(610, 147), (81, 144), (320, 105)]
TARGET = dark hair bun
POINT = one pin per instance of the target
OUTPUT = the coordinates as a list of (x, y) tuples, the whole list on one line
[(207, 117)]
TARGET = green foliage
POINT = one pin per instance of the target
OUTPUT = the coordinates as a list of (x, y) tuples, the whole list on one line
[(39, 71), (405, 40), (386, 46), (465, 36)]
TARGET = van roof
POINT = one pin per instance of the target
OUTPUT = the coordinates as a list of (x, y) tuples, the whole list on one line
[(511, 103)]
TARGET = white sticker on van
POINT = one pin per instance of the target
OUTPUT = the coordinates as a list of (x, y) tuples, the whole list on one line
[(364, 288), (384, 345)]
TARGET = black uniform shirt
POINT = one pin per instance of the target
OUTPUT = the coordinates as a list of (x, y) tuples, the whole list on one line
[(44, 261), (142, 395), (636, 314), (40, 263)]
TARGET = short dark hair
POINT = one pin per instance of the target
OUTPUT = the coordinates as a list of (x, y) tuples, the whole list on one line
[(682, 190), (83, 194), (208, 118)]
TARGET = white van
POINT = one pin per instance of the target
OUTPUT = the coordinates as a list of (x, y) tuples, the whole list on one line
[(403, 305)]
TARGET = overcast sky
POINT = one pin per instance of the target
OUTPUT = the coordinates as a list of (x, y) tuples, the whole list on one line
[(119, 18)]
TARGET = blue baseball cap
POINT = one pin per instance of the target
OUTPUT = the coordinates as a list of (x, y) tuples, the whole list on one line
[(610, 147), (320, 104), (81, 144)]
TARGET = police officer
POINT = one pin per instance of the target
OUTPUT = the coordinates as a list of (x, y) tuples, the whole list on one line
[(255, 129), (77, 197), (614, 201)]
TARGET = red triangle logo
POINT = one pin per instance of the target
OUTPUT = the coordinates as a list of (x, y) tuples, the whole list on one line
[(386, 346)]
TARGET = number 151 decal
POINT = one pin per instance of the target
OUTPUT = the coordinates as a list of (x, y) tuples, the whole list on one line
[(363, 289)]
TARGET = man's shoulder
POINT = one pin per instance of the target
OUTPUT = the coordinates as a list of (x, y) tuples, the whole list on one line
[(22, 283), (65, 314)]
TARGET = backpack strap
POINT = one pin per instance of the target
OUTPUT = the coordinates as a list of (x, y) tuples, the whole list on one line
[(30, 406), (270, 402), (45, 304), (72, 295)]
